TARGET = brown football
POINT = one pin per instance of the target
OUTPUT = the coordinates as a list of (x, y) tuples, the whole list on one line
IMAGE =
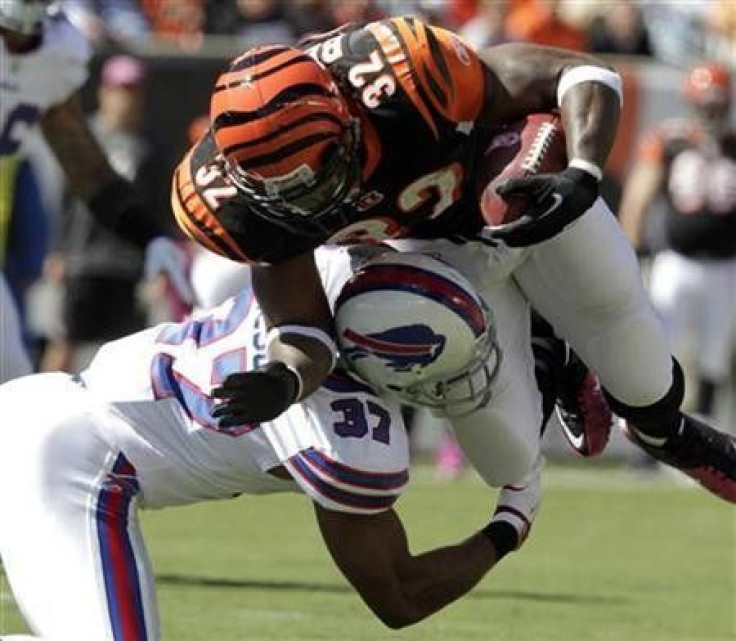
[(533, 145)]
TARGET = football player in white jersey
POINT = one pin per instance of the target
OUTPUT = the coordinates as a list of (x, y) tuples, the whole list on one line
[(136, 429), (43, 64)]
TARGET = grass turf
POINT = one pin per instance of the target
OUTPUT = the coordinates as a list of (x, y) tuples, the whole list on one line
[(610, 558)]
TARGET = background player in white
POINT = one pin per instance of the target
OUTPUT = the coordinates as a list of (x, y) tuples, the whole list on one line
[(136, 430), (691, 163), (42, 66)]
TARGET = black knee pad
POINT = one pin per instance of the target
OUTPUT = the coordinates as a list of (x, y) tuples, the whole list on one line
[(660, 418)]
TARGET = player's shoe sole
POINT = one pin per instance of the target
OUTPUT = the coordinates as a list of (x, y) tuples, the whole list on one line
[(703, 453)]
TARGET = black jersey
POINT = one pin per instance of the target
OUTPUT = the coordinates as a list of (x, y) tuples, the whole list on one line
[(700, 188), (417, 91)]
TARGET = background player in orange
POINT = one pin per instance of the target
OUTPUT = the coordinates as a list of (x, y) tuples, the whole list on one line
[(691, 163), (370, 133)]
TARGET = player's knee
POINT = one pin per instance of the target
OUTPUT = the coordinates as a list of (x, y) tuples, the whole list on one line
[(657, 418)]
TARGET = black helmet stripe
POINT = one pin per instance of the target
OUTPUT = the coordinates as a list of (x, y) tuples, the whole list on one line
[(264, 74), (290, 94), (326, 116), (256, 58), (283, 152)]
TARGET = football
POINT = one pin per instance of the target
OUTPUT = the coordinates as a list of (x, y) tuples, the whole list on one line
[(534, 145)]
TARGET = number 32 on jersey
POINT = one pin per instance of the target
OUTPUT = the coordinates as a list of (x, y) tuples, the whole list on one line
[(370, 77)]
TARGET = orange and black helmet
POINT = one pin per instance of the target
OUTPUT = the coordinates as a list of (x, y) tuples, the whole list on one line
[(288, 138), (708, 82)]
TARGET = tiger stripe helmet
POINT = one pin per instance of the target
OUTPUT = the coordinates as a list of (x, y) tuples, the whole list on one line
[(290, 143)]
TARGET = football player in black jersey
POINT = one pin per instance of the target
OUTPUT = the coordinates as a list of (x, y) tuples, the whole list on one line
[(371, 133), (691, 163)]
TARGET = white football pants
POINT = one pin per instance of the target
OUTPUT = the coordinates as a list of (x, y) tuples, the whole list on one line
[(586, 282), (696, 300)]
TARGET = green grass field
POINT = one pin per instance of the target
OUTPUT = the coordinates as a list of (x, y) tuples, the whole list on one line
[(611, 558)]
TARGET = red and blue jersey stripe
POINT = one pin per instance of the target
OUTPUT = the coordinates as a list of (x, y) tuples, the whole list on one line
[(343, 487), (419, 281), (118, 560)]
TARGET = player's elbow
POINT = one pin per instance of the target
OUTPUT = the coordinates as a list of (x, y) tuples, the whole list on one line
[(398, 618), (397, 613)]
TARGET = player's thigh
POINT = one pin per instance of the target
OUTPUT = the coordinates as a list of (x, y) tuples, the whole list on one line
[(586, 282), (500, 440), (70, 539)]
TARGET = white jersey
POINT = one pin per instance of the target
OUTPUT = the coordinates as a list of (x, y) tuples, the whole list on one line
[(32, 82), (344, 447)]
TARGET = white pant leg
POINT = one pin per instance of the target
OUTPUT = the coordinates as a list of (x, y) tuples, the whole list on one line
[(14, 361), (696, 300), (70, 540), (586, 282), (501, 440)]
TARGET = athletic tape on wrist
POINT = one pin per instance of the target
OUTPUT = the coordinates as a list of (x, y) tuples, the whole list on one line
[(307, 331), (588, 167), (589, 73), (299, 382), (503, 536)]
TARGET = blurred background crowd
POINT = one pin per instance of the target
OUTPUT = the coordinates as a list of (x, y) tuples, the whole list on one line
[(671, 30), (156, 60)]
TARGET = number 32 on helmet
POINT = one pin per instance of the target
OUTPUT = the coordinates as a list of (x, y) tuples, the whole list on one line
[(413, 327)]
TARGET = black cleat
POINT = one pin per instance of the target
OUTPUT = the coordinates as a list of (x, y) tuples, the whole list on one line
[(700, 451)]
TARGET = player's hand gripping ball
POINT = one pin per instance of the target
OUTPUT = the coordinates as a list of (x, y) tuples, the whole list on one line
[(526, 191)]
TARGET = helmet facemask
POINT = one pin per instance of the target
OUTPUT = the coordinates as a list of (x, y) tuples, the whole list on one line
[(305, 202), (459, 394)]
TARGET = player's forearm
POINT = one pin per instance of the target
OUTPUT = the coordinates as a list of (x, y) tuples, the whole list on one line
[(435, 579), (83, 161), (311, 358), (590, 114), (112, 200), (524, 78), (293, 302)]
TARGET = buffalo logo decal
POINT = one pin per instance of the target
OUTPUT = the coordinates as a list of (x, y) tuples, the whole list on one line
[(403, 348)]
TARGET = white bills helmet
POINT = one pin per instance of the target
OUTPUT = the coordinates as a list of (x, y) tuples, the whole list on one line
[(23, 16), (413, 327)]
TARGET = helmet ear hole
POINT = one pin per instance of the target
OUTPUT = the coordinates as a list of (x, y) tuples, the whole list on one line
[(413, 327)]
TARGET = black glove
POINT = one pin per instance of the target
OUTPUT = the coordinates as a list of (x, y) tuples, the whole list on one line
[(257, 396), (555, 200)]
